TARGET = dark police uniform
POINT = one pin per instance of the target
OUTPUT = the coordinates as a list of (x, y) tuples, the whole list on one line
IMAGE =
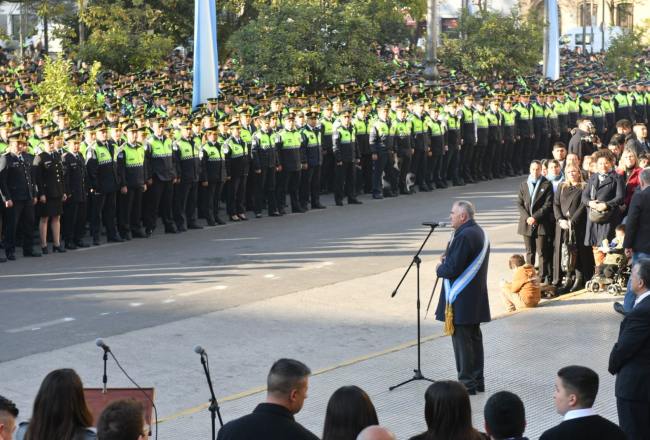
[(346, 155), (74, 208), (188, 168), (132, 174), (102, 182), (310, 178), (159, 195), (265, 163), (213, 171)]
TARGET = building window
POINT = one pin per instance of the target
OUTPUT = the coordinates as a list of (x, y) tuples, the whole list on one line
[(624, 15), (588, 13)]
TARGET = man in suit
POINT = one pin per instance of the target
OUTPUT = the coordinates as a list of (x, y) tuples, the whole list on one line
[(576, 388), (287, 385), (637, 233), (535, 203), (464, 304), (630, 359), (505, 416)]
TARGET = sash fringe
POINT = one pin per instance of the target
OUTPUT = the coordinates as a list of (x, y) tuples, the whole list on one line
[(449, 320)]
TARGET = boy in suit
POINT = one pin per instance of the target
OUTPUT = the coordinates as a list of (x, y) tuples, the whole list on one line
[(576, 388)]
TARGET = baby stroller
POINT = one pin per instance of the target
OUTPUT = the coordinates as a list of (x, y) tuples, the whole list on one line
[(611, 276)]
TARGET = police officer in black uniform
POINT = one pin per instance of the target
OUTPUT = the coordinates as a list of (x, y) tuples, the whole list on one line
[(347, 156), (102, 183), (188, 169), (265, 165), (310, 178), (18, 194), (213, 175), (74, 207)]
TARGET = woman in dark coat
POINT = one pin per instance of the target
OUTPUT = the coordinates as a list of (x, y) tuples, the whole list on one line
[(48, 175), (604, 193), (571, 215)]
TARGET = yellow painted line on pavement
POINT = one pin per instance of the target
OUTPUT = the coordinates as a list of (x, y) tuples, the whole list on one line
[(349, 362)]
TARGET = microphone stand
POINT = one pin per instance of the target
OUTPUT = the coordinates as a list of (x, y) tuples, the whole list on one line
[(417, 261), (214, 405), (105, 377)]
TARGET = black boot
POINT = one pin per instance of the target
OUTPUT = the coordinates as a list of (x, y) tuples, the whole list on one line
[(579, 283)]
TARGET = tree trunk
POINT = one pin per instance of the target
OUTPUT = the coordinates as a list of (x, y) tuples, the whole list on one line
[(46, 48)]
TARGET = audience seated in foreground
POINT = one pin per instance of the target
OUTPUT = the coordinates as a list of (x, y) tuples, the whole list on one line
[(505, 417), (122, 420), (349, 411)]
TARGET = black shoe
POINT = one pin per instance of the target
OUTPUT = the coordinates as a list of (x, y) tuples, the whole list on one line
[(274, 214), (96, 241), (11, 257), (70, 246), (115, 239), (170, 230), (3, 260), (126, 236), (220, 221), (138, 233), (299, 211), (471, 391), (44, 250), (81, 244), (423, 189), (32, 254), (377, 196), (441, 184), (339, 203), (618, 308), (318, 206), (212, 223), (304, 207), (148, 233), (60, 249), (194, 226), (180, 229), (282, 212), (355, 202)]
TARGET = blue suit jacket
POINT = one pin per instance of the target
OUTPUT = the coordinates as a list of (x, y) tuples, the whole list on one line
[(472, 305)]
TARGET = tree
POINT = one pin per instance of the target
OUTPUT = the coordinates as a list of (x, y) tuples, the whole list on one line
[(307, 43), (624, 52), (495, 45), (124, 38), (59, 89)]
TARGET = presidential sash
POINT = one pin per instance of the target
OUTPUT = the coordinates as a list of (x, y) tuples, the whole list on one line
[(453, 290)]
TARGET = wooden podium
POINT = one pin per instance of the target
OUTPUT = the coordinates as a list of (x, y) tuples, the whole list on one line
[(97, 401)]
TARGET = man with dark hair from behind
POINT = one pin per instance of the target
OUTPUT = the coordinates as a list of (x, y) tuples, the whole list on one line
[(576, 388), (505, 417), (8, 414), (287, 385), (122, 420)]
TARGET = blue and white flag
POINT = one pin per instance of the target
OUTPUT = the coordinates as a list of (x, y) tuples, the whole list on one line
[(206, 59), (552, 68)]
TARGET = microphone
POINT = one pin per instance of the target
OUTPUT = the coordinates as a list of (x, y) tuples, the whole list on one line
[(199, 350), (437, 224), (100, 343)]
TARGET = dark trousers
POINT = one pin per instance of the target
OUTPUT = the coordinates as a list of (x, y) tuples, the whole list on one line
[(310, 185), (73, 222), (434, 169), (265, 190), (103, 212), (345, 181), (634, 418), (467, 160), (211, 201), (528, 151), (129, 210), (453, 156), (384, 164), (237, 195), (404, 165), (538, 245), (419, 166), (158, 198), (20, 217), (366, 173), (185, 203), (508, 149), (468, 351), (518, 157), (289, 182), (480, 154), (327, 172), (493, 159)]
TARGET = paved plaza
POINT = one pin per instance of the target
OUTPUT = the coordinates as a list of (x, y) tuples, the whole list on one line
[(315, 287)]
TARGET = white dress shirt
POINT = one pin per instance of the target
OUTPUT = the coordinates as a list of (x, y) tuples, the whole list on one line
[(579, 413)]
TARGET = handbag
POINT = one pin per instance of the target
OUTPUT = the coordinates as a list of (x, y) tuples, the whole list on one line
[(596, 216)]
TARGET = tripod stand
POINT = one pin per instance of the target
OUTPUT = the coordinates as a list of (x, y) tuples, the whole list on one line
[(417, 261), (214, 405)]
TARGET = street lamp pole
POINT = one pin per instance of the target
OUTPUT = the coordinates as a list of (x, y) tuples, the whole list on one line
[(430, 69)]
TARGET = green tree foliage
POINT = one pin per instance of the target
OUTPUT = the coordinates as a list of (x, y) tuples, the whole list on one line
[(494, 44), (624, 52), (307, 43), (124, 37), (58, 89)]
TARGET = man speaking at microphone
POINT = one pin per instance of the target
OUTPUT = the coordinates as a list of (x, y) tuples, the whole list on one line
[(464, 303)]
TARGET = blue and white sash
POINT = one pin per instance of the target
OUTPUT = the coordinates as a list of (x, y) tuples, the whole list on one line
[(453, 290)]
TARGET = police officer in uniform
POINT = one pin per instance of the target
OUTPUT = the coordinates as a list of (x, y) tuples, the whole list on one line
[(347, 156), (74, 208), (213, 175), (292, 160), (511, 158), (265, 165), (188, 169), (102, 183), (237, 170), (162, 166), (468, 138), (382, 154), (310, 177), (132, 172), (18, 194), (360, 123), (400, 131), (48, 176), (420, 146)]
